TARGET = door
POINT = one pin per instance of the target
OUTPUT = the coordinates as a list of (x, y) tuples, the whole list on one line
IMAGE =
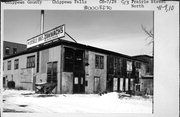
[(79, 75), (78, 84), (52, 72), (97, 88)]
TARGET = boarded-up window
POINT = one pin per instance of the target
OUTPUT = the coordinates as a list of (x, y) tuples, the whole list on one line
[(131, 83), (121, 84), (16, 63), (9, 65), (115, 84), (99, 62), (31, 62), (129, 66), (127, 84)]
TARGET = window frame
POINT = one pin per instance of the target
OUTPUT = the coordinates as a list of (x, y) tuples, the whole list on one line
[(14, 50), (9, 65), (68, 59), (30, 61), (99, 61), (7, 52), (16, 64)]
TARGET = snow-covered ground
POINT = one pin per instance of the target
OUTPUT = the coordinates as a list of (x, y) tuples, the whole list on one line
[(28, 101)]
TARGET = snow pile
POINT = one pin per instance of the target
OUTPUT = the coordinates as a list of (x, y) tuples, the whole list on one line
[(112, 96), (28, 101)]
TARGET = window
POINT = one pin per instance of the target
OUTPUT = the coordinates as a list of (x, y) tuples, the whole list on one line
[(99, 62), (14, 50), (4, 80), (68, 60), (129, 74), (117, 66), (138, 65), (16, 63), (147, 69), (7, 50), (30, 61), (137, 87), (9, 65), (129, 66), (78, 60)]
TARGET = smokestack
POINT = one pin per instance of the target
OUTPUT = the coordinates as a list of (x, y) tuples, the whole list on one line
[(42, 22)]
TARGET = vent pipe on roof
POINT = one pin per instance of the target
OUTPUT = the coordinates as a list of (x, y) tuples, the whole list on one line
[(42, 22)]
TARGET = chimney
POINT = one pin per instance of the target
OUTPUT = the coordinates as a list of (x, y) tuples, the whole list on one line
[(42, 22)]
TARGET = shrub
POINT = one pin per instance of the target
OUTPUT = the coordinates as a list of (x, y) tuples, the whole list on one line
[(11, 84)]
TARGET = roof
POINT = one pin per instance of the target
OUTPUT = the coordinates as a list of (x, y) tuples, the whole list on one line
[(14, 43), (148, 77), (58, 42), (143, 56)]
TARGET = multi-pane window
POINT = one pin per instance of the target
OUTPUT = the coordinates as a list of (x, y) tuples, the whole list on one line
[(16, 63), (9, 65), (68, 60), (99, 62), (117, 65), (31, 62), (7, 50)]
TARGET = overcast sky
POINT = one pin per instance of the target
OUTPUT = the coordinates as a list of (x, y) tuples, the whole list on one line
[(118, 31)]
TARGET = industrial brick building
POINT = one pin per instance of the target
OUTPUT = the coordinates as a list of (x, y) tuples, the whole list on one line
[(10, 48), (74, 67)]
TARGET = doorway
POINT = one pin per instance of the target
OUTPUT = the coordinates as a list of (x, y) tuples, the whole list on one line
[(79, 75), (74, 63), (52, 72)]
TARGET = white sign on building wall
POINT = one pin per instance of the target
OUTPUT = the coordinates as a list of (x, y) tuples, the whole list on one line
[(47, 36)]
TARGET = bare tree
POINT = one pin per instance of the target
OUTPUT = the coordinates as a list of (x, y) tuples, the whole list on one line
[(150, 36)]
